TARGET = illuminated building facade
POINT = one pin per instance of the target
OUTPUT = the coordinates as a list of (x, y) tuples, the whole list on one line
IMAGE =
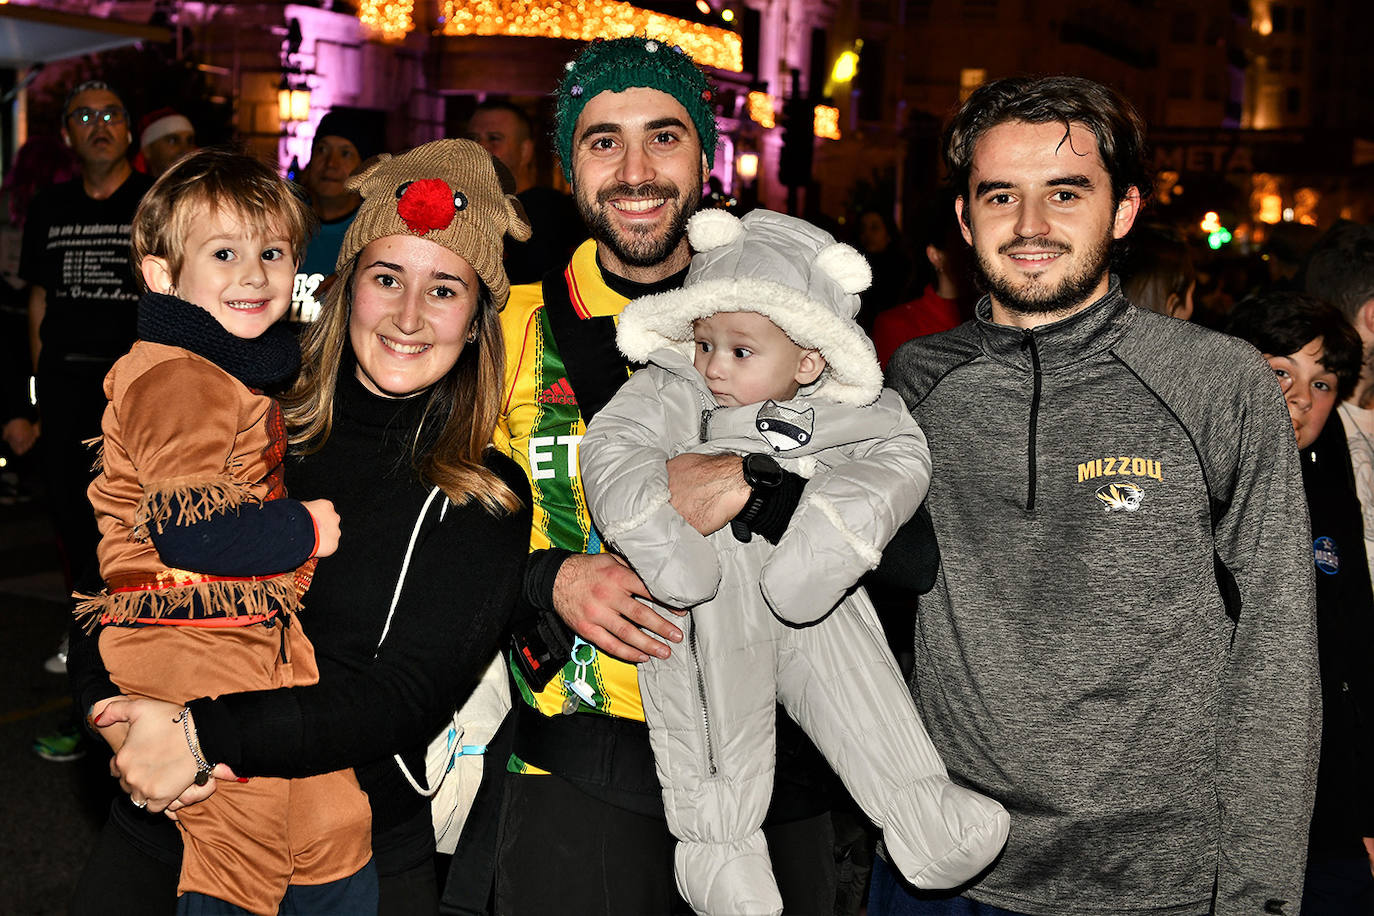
[(1268, 97), (1262, 104), (427, 63)]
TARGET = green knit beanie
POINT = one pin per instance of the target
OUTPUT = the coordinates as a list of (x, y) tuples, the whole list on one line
[(632, 63)]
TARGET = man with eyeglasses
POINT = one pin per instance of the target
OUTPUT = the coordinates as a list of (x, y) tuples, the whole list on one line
[(82, 300)]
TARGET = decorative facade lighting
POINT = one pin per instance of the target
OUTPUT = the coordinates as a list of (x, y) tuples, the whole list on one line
[(392, 18), (761, 109), (846, 66), (1217, 234), (293, 104), (1270, 208), (827, 122), (583, 20), (1305, 201), (748, 165), (970, 78)]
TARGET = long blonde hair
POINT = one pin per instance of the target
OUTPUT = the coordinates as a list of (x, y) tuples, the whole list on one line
[(464, 404)]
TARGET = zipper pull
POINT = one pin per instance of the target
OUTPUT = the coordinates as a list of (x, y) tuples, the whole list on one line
[(705, 424)]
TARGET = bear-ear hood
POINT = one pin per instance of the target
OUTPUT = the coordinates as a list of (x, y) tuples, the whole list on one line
[(781, 267)]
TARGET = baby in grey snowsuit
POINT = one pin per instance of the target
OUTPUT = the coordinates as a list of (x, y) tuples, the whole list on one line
[(758, 354)]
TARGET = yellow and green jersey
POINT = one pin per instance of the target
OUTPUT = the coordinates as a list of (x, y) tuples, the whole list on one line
[(541, 427)]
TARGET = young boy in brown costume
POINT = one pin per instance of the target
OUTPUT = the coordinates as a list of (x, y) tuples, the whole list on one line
[(203, 557)]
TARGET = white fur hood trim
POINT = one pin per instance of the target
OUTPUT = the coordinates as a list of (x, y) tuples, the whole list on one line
[(791, 272), (852, 374)]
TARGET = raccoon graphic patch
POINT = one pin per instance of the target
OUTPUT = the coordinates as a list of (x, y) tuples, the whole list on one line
[(783, 427)]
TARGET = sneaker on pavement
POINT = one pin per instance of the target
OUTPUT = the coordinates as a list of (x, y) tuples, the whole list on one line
[(66, 744), (57, 662)]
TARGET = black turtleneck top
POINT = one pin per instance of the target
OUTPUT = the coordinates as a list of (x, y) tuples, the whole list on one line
[(457, 599), (371, 703)]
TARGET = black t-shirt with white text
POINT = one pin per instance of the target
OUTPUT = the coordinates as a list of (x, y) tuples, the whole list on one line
[(77, 249)]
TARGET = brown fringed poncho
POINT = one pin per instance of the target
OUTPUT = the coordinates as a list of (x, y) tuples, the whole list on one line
[(182, 440)]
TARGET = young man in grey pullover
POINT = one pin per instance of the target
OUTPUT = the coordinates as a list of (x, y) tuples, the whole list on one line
[(1121, 645)]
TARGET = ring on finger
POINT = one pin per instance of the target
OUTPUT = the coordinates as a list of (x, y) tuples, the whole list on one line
[(140, 804)]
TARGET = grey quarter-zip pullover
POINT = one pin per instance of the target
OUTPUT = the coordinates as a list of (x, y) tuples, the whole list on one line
[(1121, 644)]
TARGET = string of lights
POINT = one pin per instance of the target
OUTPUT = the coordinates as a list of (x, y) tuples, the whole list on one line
[(761, 109), (827, 122), (392, 18), (583, 20)]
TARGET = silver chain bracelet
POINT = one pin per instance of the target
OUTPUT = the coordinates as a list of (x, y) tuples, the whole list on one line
[(203, 767)]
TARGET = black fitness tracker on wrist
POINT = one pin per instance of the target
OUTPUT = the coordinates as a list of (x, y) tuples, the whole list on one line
[(764, 477)]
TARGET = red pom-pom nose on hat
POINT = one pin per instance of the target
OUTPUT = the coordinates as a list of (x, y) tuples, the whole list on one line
[(426, 205)]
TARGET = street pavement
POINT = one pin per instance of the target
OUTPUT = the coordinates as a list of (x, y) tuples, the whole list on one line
[(50, 813)]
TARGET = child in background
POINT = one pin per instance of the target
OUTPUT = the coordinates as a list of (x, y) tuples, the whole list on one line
[(758, 355), (203, 556), (1316, 355), (1158, 274)]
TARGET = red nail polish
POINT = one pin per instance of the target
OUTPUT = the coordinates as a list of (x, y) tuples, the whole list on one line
[(241, 779)]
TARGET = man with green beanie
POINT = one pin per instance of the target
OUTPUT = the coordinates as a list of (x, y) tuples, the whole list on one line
[(582, 828)]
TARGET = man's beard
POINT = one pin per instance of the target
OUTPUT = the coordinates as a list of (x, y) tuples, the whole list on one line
[(638, 246), (1032, 297)]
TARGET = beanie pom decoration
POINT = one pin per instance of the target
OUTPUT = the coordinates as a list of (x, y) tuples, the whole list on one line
[(709, 229), (446, 191), (846, 267), (427, 205)]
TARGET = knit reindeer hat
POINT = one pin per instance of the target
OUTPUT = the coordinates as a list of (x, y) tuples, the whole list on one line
[(448, 192), (781, 267)]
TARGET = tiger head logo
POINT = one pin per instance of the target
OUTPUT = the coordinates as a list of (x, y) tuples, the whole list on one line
[(1120, 497)]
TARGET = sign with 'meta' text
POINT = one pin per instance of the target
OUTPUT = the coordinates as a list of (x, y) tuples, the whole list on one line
[(1223, 151)]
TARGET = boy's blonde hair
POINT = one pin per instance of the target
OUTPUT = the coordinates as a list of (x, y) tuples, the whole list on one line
[(236, 184)]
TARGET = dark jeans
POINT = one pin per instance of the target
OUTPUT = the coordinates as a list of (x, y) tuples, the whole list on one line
[(615, 861), (128, 874), (355, 895), (136, 861), (72, 401), (1338, 886), (889, 895)]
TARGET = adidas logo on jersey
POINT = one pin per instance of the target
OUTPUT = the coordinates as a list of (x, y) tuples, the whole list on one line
[(560, 392)]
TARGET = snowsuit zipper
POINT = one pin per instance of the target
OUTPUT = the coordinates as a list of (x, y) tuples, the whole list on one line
[(1029, 342), (705, 708), (702, 435)]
